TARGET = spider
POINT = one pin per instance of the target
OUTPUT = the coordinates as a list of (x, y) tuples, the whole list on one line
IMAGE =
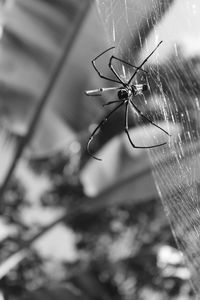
[(125, 94)]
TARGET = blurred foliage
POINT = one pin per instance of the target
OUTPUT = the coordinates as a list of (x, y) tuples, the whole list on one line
[(28, 273), (122, 245), (13, 200), (118, 246)]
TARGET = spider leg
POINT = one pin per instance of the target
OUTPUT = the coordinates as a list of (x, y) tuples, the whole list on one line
[(114, 71), (145, 118), (111, 102), (144, 61), (128, 135), (123, 61), (127, 63), (98, 127), (126, 129), (98, 72)]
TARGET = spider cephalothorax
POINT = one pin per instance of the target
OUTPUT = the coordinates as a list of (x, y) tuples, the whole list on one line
[(125, 94)]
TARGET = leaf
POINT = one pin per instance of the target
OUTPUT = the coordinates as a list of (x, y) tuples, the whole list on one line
[(34, 35)]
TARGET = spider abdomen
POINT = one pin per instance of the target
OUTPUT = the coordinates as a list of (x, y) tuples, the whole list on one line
[(122, 94)]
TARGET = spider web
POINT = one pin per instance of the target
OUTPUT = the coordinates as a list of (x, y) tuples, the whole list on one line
[(135, 27)]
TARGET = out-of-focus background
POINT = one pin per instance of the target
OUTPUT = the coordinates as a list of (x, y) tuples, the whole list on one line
[(72, 227)]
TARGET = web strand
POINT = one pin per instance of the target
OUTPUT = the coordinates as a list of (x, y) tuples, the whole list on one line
[(174, 99)]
